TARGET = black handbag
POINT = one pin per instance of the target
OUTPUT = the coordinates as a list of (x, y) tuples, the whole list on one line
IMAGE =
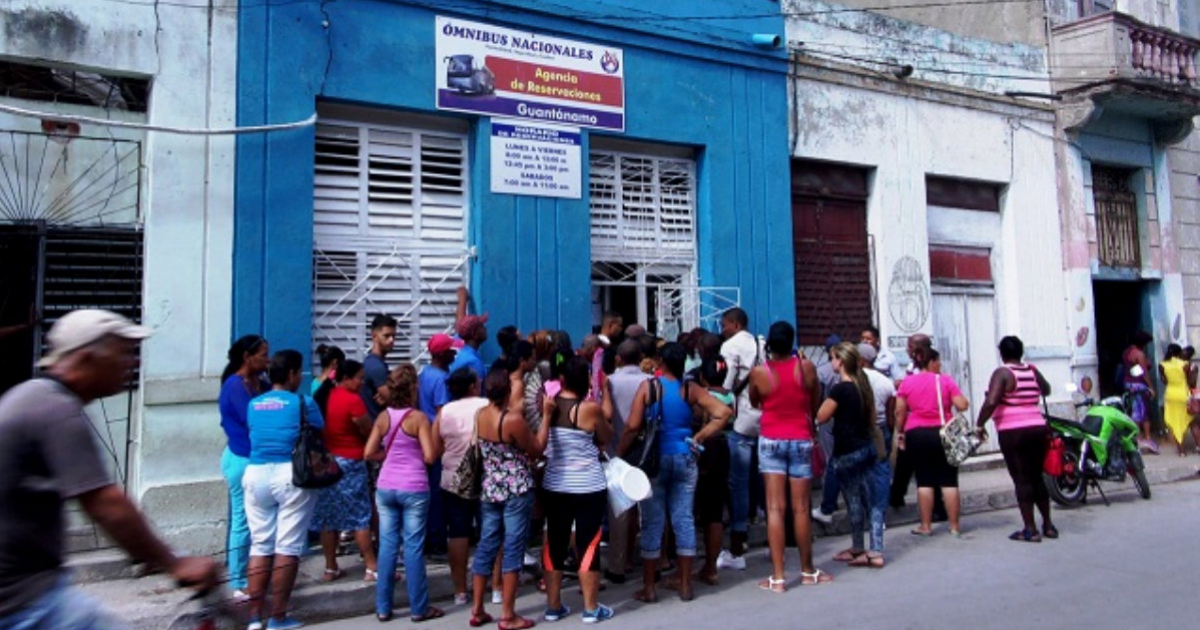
[(644, 452), (313, 466)]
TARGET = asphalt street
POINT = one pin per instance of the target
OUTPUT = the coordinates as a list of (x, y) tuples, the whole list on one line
[(1130, 565)]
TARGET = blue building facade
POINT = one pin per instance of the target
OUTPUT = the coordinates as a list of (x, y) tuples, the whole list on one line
[(704, 145)]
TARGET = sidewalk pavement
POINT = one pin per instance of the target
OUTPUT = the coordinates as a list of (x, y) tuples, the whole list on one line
[(154, 603)]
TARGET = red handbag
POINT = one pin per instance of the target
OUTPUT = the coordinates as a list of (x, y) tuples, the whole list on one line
[(818, 461), (1053, 464)]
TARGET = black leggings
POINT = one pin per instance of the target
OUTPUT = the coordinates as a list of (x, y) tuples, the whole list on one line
[(1024, 453), (586, 511)]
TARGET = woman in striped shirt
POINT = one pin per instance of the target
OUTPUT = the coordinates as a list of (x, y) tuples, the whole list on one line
[(1012, 403)]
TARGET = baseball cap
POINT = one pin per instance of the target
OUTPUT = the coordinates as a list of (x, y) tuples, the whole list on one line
[(868, 352), (469, 324), (440, 343), (832, 340), (80, 328)]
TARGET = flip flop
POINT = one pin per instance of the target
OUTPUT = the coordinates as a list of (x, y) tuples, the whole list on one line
[(1026, 535), (817, 578), (478, 620), (847, 555), (1050, 532), (925, 534), (704, 578), (518, 623), (868, 561), (645, 598), (332, 574), (773, 585), (432, 613), (370, 576)]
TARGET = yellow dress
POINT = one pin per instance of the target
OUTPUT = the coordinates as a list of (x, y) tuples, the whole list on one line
[(1176, 398)]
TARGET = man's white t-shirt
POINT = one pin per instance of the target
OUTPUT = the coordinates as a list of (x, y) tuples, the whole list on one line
[(884, 390), (742, 353)]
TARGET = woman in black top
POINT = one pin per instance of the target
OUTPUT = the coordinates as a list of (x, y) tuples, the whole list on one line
[(857, 446)]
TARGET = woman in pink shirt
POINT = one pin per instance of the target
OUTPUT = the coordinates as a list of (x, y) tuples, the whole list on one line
[(1013, 398), (918, 422)]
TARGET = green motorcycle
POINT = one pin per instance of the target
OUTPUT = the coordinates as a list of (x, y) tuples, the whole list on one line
[(1103, 446)]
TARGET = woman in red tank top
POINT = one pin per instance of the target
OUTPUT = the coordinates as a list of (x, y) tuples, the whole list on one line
[(785, 388)]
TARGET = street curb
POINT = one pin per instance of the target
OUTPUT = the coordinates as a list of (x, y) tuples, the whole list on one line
[(156, 603)]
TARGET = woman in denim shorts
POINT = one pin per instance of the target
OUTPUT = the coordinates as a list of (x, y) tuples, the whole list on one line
[(785, 388)]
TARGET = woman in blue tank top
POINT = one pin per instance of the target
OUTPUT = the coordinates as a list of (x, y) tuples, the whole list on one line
[(674, 488)]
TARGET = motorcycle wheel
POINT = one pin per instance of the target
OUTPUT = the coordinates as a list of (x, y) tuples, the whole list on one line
[(1138, 469), (1068, 489)]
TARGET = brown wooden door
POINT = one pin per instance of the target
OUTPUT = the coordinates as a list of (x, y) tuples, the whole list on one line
[(832, 267)]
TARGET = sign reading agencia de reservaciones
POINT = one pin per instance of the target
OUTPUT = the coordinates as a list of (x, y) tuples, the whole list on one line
[(498, 71)]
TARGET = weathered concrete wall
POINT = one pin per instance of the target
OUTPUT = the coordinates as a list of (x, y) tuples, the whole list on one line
[(975, 58), (188, 49), (1006, 22), (1185, 195)]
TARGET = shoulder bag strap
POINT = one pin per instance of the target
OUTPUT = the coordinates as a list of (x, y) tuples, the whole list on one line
[(937, 383), (399, 427), (500, 425), (475, 429), (303, 411)]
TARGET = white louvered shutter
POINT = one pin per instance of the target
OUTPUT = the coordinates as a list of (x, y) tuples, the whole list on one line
[(643, 208), (389, 227)]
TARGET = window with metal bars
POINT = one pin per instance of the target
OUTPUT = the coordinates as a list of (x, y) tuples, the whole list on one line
[(50, 271), (389, 228), (1117, 234), (77, 87)]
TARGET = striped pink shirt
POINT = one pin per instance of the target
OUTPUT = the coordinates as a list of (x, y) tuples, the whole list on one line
[(1019, 408)]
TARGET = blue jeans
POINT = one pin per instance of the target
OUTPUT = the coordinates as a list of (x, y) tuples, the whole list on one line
[(882, 475), (63, 607), (741, 452), (830, 488), (674, 494), (855, 473), (409, 510), (435, 530), (504, 525), (237, 531)]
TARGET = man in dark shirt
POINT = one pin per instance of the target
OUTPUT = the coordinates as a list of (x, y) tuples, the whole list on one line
[(374, 387), (49, 455)]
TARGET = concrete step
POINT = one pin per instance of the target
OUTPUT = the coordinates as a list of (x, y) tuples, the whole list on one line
[(101, 565)]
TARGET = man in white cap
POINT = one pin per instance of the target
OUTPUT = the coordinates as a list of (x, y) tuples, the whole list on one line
[(48, 455)]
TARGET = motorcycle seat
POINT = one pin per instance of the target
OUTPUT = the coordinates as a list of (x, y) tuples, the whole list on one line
[(1091, 425)]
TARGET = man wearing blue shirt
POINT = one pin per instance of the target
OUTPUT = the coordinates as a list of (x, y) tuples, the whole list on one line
[(472, 329), (431, 384), (374, 387)]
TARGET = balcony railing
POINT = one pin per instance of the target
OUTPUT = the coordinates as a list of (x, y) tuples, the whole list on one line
[(1116, 46)]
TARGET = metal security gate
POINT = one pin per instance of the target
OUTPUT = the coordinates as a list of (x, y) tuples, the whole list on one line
[(389, 230), (1117, 234)]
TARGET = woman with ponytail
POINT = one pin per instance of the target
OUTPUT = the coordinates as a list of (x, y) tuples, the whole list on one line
[(856, 450), (241, 381)]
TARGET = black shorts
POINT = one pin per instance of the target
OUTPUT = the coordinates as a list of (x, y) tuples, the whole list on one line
[(712, 485), (928, 459), (461, 515), (586, 512)]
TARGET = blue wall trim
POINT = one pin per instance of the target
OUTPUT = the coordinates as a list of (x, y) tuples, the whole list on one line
[(690, 85)]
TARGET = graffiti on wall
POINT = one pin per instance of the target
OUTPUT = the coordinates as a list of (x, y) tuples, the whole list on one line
[(908, 295)]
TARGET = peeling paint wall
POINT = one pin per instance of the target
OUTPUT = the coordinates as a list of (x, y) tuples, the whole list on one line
[(1002, 22), (972, 58), (1185, 194), (188, 50)]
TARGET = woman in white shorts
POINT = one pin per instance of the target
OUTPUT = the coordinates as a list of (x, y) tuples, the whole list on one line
[(278, 512)]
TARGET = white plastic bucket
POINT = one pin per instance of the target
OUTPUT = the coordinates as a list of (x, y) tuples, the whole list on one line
[(626, 485)]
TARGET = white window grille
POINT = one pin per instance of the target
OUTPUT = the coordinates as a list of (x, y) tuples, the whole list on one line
[(389, 227), (643, 228)]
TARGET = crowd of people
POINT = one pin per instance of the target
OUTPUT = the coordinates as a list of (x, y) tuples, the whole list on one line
[(740, 423)]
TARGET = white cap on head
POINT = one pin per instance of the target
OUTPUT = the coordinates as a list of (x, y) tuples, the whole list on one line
[(80, 328)]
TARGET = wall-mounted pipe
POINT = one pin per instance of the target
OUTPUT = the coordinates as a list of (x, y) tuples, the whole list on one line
[(767, 40)]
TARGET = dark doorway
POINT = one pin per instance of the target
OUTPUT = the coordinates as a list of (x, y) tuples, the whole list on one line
[(1122, 309), (19, 249)]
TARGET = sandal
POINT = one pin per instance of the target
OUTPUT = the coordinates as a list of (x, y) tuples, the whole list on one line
[(868, 561), (926, 533), (432, 613), (711, 579), (332, 574), (815, 578), (773, 585), (480, 619), (517, 623), (1026, 535), (646, 598), (370, 576), (848, 555), (1050, 531)]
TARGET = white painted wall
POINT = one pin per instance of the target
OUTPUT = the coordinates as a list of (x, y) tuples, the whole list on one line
[(189, 50), (903, 139)]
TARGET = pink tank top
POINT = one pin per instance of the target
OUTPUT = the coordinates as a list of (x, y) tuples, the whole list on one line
[(1019, 408), (786, 410), (404, 463)]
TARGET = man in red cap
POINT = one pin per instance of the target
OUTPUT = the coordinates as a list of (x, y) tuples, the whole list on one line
[(432, 393), (49, 454)]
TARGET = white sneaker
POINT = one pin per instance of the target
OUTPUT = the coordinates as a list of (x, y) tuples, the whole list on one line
[(240, 596), (255, 625), (460, 599), (818, 515), (530, 560), (727, 560), (497, 597)]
